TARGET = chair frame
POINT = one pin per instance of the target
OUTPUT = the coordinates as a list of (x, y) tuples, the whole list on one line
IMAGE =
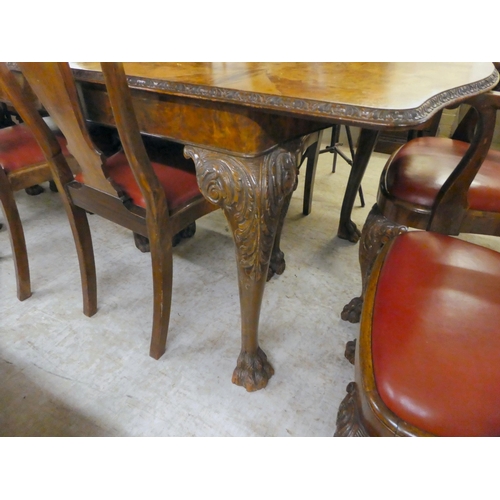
[(362, 412), (449, 214), (23, 101), (56, 89)]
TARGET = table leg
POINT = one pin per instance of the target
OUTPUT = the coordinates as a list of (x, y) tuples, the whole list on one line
[(251, 192), (366, 143)]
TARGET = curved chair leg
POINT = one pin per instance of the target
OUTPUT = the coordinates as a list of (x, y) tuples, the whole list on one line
[(312, 155), (17, 240), (162, 265), (377, 231), (80, 229)]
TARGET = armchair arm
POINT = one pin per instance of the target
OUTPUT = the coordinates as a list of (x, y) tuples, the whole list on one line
[(451, 202)]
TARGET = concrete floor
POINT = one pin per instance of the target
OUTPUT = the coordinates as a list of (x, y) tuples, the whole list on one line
[(64, 374)]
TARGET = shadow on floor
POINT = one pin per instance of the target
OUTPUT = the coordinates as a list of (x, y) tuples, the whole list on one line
[(31, 411)]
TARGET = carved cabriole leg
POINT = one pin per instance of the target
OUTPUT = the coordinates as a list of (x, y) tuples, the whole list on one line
[(349, 422), (377, 231), (252, 193), (277, 263)]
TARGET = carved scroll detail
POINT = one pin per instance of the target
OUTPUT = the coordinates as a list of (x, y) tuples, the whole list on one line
[(251, 192), (377, 231), (348, 418)]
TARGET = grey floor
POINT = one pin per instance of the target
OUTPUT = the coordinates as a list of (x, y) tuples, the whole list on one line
[(64, 374)]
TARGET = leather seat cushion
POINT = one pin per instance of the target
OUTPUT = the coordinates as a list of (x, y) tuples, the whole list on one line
[(175, 173), (436, 335), (419, 169), (19, 149)]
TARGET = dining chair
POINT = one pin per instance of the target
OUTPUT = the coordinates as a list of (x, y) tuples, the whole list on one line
[(436, 184), (149, 188), (426, 363), (23, 165)]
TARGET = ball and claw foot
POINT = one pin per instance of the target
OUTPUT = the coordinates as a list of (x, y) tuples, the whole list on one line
[(349, 231), (277, 265), (352, 311), (142, 243), (350, 351), (34, 190), (188, 232), (252, 371)]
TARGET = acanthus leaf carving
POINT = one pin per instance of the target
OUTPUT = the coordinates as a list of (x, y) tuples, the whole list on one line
[(251, 193)]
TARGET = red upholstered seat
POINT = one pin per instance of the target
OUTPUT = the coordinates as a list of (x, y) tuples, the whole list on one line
[(18, 148), (420, 168), (176, 174), (436, 335)]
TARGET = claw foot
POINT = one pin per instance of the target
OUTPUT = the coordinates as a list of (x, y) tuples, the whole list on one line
[(277, 265), (189, 231), (141, 242), (350, 351), (349, 231), (352, 311), (252, 370), (34, 190)]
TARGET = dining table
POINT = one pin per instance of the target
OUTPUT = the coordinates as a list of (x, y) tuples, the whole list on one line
[(246, 125)]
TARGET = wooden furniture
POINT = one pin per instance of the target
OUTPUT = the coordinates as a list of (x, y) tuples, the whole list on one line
[(436, 184), (427, 357), (151, 192), (246, 126), (23, 164), (312, 162)]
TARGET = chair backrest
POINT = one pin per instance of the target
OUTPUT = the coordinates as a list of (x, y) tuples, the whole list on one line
[(54, 85), (25, 106), (451, 202), (55, 88), (130, 137)]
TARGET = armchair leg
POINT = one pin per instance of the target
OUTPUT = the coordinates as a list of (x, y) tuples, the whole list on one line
[(17, 240), (377, 231), (162, 265)]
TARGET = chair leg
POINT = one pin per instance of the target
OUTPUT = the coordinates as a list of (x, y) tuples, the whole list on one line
[(79, 224), (377, 231), (333, 146), (142, 242), (312, 155), (349, 421), (162, 265), (34, 190), (17, 240), (351, 149), (83, 241)]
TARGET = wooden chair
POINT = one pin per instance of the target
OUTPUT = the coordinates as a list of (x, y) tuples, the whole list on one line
[(23, 164), (155, 197), (436, 184), (427, 357)]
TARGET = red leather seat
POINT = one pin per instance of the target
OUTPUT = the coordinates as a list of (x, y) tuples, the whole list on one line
[(419, 169), (436, 335), (19, 149), (176, 174)]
